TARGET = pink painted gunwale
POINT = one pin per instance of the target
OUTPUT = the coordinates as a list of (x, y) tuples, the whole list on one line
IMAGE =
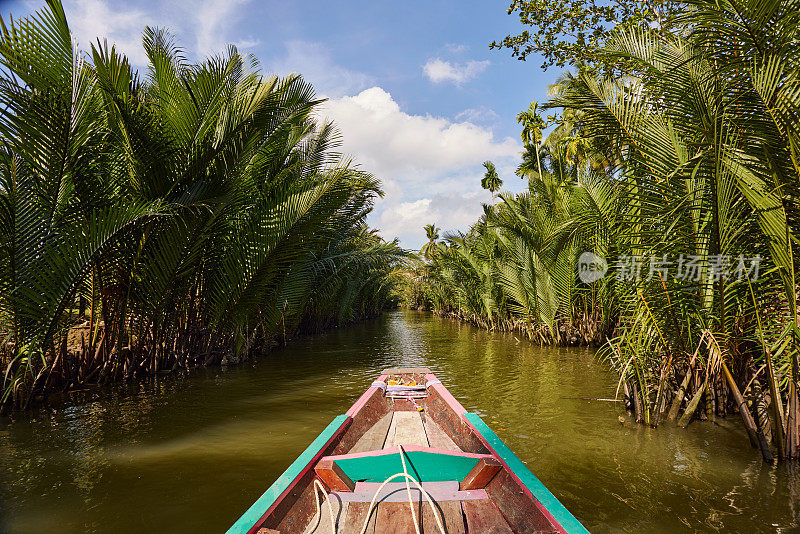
[(456, 406), (339, 431), (446, 396), (365, 397)]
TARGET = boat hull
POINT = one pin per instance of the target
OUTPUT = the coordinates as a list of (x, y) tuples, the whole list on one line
[(438, 439)]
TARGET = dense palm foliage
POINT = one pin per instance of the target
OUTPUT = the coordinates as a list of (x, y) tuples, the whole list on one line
[(195, 215), (683, 173), (513, 270)]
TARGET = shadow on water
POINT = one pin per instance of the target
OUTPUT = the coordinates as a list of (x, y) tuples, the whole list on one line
[(190, 454)]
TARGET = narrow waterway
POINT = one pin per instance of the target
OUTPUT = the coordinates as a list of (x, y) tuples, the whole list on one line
[(189, 454)]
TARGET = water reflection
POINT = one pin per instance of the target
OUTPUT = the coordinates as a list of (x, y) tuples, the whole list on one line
[(190, 454)]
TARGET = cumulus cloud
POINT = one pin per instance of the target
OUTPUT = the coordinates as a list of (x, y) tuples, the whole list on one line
[(430, 166), (387, 138), (438, 70), (450, 211)]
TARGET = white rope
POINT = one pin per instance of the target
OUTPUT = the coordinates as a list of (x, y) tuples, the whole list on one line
[(318, 486), (408, 489), (408, 478), (421, 489)]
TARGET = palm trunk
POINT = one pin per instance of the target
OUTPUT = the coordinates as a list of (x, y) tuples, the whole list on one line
[(681, 393), (686, 418), (710, 412), (793, 423), (762, 422), (538, 162), (777, 408), (636, 401), (661, 395), (744, 411)]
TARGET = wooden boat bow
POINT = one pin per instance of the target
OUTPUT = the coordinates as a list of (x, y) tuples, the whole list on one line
[(477, 483)]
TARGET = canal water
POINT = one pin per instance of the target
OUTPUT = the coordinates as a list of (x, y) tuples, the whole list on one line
[(191, 453)]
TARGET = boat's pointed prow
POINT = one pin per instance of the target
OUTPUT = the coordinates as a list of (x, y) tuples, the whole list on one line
[(407, 452)]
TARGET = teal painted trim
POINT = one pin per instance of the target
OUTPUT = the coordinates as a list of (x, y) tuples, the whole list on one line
[(257, 510), (539, 490), (422, 465)]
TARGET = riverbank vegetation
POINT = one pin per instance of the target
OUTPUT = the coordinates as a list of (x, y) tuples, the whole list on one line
[(673, 159), (191, 214)]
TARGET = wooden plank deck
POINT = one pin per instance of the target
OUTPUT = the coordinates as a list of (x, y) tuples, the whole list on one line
[(483, 516), (450, 512), (355, 517), (375, 437), (393, 516), (437, 437), (339, 515), (406, 429)]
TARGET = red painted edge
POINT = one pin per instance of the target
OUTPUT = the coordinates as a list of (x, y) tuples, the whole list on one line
[(345, 425), (446, 396), (365, 397), (408, 448), (519, 482), (456, 406)]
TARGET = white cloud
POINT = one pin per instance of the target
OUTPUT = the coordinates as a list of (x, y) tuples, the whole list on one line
[(315, 63), (479, 115), (389, 140), (93, 19), (244, 44), (203, 27), (454, 48), (438, 70), (212, 21), (449, 211), (430, 166)]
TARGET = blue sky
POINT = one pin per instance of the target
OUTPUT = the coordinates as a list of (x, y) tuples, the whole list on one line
[(419, 98)]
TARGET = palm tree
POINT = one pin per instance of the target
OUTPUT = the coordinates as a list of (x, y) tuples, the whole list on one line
[(693, 186), (429, 248), (491, 180), (689, 155), (201, 211), (532, 126)]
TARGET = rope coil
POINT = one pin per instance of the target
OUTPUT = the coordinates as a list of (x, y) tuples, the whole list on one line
[(408, 478)]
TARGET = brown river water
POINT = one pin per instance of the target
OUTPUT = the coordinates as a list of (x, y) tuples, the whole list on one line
[(191, 453)]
